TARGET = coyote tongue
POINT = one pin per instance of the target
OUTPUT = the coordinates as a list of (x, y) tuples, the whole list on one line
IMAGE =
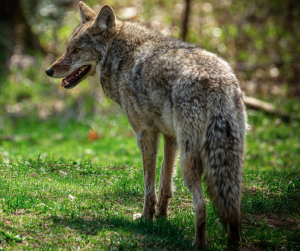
[(67, 79), (74, 76)]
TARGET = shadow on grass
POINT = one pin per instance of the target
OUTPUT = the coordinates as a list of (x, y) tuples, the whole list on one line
[(257, 201), (160, 232)]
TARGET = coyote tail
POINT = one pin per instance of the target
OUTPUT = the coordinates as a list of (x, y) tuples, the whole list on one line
[(223, 156)]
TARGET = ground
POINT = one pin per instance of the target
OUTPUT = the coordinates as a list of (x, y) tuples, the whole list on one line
[(62, 188)]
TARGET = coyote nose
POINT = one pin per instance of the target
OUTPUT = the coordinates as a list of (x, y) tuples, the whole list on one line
[(49, 72)]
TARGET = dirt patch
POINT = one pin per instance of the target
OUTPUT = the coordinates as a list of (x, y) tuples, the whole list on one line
[(254, 190), (273, 220), (281, 222), (249, 248)]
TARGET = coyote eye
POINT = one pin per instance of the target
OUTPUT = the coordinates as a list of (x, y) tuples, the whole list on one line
[(76, 50)]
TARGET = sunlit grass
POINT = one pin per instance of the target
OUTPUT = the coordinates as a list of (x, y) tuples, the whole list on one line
[(270, 144), (64, 203), (61, 190)]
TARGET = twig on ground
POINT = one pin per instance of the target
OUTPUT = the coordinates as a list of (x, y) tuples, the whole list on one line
[(257, 104), (15, 137)]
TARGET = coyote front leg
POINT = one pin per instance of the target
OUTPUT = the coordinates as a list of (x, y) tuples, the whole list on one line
[(166, 175), (148, 144)]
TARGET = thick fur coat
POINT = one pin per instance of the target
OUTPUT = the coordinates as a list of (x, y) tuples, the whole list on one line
[(169, 87)]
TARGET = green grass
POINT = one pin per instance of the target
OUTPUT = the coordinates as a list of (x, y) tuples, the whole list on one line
[(61, 191)]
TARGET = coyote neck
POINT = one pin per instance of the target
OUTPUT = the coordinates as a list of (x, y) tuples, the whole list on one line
[(119, 58)]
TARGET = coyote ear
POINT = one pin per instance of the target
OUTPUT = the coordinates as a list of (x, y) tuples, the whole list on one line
[(106, 20), (86, 13)]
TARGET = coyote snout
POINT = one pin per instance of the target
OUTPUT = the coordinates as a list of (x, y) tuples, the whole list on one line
[(169, 87), (72, 66)]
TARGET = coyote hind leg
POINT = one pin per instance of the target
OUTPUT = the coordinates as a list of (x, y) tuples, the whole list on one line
[(190, 114), (148, 144), (191, 169), (166, 175)]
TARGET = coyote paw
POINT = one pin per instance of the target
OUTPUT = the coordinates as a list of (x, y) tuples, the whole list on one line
[(233, 235), (161, 215), (199, 245), (161, 212), (162, 206), (148, 216), (149, 212)]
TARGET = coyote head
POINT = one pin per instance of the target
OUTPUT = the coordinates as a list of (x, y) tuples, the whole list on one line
[(86, 47)]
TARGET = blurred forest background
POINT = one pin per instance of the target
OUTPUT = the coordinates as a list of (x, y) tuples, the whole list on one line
[(259, 38), (71, 173)]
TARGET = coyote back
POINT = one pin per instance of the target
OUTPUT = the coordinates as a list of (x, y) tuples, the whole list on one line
[(166, 86)]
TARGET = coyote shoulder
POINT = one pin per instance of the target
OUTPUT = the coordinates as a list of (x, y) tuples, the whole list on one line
[(166, 86)]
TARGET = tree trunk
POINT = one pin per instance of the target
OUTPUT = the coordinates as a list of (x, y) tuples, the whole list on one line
[(186, 19), (15, 28)]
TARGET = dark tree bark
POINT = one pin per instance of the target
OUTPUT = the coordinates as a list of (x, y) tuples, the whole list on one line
[(16, 28), (186, 19)]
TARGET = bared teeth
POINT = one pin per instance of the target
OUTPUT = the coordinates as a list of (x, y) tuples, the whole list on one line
[(73, 77)]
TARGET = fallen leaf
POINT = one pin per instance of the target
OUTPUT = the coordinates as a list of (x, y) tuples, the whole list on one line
[(92, 135)]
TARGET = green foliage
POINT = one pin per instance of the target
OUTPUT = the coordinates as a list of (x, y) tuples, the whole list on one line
[(259, 38)]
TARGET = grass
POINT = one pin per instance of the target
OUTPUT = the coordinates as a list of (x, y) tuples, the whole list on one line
[(61, 191)]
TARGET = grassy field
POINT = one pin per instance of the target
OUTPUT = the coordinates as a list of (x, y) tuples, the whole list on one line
[(61, 191)]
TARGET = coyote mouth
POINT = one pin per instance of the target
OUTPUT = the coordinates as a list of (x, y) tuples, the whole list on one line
[(75, 78)]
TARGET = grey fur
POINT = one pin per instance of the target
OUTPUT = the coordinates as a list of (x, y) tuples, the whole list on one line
[(169, 87)]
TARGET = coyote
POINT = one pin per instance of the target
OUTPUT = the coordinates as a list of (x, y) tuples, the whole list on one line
[(166, 86)]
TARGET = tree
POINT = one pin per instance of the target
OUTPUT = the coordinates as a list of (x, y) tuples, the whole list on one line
[(15, 30)]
